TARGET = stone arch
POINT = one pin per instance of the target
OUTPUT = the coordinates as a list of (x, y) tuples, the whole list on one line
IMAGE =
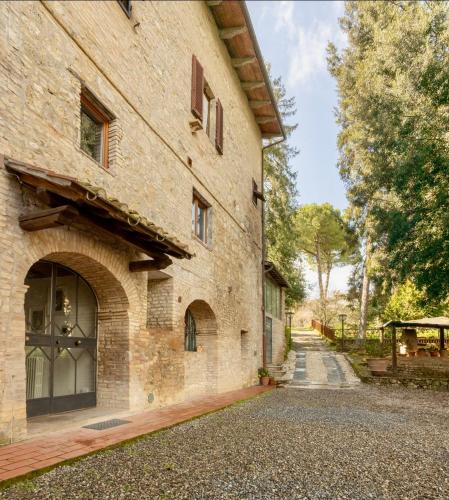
[(120, 304), (113, 370), (204, 369)]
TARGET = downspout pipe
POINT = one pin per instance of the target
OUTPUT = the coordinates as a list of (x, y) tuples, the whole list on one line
[(264, 343)]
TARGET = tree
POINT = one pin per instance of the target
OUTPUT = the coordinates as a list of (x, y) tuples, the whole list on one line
[(407, 302), (393, 83), (281, 203), (327, 241)]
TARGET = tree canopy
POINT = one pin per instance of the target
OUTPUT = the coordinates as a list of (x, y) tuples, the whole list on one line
[(326, 241), (281, 203), (393, 84)]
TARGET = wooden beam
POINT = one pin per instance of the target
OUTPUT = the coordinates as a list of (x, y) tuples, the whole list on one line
[(255, 104), (252, 85), (45, 219), (214, 3), (442, 346), (394, 357), (227, 33), (239, 62), (265, 119), (156, 264)]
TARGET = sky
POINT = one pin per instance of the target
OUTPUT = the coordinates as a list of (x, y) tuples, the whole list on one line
[(293, 36)]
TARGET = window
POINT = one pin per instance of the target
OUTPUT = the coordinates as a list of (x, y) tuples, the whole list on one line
[(94, 131), (272, 299), (205, 107), (207, 111), (200, 217), (126, 6), (189, 332)]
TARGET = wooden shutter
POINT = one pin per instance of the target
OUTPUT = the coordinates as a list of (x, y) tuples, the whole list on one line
[(219, 127), (197, 88)]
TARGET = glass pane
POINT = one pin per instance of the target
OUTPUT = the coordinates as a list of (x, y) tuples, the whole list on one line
[(206, 112), (37, 299), (87, 310), (91, 136), (65, 302), (38, 372), (201, 223), (85, 370), (193, 217), (64, 373)]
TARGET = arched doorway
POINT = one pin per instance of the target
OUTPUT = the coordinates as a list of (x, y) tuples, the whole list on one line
[(60, 340)]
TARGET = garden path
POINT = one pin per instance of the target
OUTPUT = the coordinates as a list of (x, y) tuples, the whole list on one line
[(319, 367)]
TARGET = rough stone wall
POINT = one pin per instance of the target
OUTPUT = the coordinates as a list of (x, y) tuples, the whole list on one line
[(140, 70)]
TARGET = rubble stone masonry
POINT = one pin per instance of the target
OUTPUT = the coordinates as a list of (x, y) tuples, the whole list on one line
[(139, 68)]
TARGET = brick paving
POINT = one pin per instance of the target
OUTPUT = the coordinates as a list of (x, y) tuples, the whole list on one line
[(317, 366), (32, 455)]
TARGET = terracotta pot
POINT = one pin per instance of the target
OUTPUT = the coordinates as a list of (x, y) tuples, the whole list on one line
[(378, 366), (434, 354), (265, 380), (411, 354), (422, 353), (272, 381), (443, 353)]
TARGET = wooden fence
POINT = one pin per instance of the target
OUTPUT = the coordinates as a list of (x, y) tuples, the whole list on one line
[(323, 329)]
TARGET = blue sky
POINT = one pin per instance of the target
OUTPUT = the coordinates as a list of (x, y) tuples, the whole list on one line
[(293, 37)]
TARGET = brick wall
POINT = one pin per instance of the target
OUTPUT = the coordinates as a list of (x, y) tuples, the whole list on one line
[(139, 69)]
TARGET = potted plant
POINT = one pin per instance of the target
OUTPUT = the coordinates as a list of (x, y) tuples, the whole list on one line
[(422, 352), (443, 353), (433, 349), (264, 376), (378, 366)]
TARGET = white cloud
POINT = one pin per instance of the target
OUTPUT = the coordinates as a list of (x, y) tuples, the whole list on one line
[(285, 17), (307, 43)]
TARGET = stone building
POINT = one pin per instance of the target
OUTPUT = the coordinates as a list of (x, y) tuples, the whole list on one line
[(275, 287), (131, 229)]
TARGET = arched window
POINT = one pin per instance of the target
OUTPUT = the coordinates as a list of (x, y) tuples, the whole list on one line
[(189, 332)]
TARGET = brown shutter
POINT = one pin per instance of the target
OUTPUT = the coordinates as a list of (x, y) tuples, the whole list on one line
[(219, 128), (197, 88)]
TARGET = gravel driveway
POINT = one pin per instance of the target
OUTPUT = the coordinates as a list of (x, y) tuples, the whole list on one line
[(292, 443)]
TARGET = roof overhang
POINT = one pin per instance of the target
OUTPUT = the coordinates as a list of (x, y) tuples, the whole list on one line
[(437, 322), (237, 32), (82, 203), (273, 272)]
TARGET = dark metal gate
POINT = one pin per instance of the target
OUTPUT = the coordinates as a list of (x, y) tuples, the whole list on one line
[(60, 340), (269, 339)]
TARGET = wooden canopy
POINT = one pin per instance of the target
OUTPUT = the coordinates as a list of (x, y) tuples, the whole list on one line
[(236, 31), (437, 322), (273, 272), (73, 202)]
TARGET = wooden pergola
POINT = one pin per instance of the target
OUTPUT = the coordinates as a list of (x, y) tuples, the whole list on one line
[(440, 323)]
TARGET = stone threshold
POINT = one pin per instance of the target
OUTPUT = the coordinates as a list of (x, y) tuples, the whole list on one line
[(28, 457)]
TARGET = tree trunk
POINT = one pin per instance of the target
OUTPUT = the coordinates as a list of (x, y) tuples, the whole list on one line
[(320, 284), (365, 294)]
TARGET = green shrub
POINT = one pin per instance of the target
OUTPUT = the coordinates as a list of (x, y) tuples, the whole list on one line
[(288, 341)]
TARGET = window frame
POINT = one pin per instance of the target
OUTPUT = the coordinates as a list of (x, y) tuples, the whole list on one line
[(92, 110), (199, 202), (128, 10)]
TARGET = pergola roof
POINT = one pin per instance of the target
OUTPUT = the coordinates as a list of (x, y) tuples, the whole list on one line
[(275, 275), (92, 205), (237, 32), (437, 322)]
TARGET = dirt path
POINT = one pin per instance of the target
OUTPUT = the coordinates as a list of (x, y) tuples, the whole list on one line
[(319, 367)]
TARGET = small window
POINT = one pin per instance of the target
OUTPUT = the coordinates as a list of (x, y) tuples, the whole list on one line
[(200, 218), (94, 131), (206, 111), (126, 6), (189, 332)]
